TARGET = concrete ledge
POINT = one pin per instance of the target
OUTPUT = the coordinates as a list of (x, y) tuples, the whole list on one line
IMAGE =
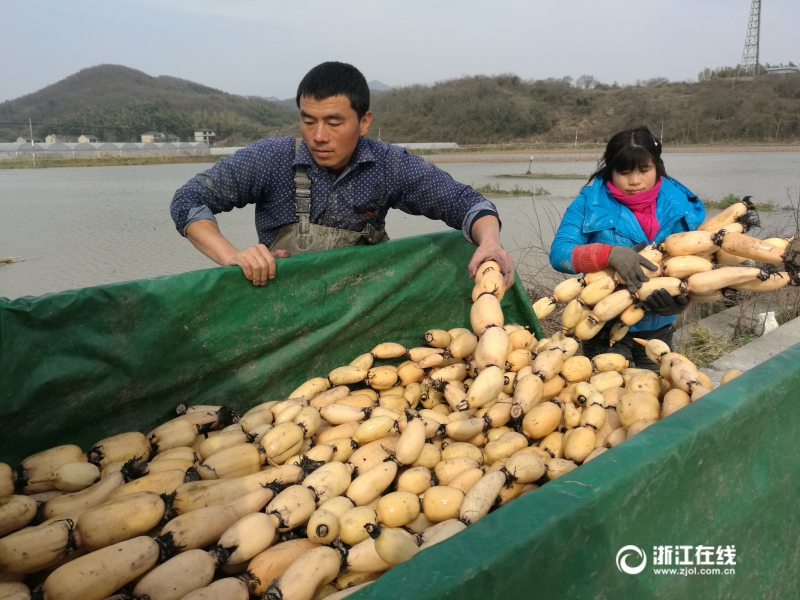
[(742, 318), (757, 351)]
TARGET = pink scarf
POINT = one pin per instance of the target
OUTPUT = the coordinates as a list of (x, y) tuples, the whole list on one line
[(642, 205)]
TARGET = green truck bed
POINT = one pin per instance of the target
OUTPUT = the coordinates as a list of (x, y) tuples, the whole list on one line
[(78, 366)]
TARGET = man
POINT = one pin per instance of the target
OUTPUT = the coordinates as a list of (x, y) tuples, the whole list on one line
[(333, 189)]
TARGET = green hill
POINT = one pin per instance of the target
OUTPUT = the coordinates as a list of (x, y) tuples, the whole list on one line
[(117, 103), (476, 110)]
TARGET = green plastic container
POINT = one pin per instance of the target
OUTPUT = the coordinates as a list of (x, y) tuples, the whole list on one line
[(721, 472), (724, 471)]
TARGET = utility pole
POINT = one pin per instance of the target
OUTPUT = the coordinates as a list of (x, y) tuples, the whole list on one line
[(661, 137), (750, 54), (33, 146), (576, 137)]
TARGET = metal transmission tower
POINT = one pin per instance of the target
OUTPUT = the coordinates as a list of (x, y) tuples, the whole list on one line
[(749, 65)]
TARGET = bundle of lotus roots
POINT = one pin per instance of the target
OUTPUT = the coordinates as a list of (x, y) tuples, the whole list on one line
[(700, 264), (316, 495)]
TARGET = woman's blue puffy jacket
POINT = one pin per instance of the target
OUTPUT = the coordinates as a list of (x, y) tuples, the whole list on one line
[(595, 216)]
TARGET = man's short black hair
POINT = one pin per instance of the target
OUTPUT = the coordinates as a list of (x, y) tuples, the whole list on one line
[(334, 79)]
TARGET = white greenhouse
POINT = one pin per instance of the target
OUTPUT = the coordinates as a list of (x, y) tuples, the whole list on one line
[(101, 149)]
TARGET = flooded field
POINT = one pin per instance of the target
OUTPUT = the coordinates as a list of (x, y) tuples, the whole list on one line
[(77, 227)]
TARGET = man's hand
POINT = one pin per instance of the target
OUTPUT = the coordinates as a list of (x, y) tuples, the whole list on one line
[(486, 232), (257, 263), (496, 253)]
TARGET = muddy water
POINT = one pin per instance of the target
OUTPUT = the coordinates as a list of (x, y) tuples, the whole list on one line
[(76, 227)]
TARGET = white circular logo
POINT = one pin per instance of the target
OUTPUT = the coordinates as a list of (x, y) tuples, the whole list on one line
[(622, 558)]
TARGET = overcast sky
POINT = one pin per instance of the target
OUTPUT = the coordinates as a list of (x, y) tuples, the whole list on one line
[(263, 47)]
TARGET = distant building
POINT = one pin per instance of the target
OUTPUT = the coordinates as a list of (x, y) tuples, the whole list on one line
[(205, 135), (24, 140), (783, 70), (3, 141), (169, 137), (152, 136), (88, 139), (60, 139)]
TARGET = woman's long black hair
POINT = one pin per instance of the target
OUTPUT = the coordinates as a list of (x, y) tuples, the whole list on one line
[(628, 150)]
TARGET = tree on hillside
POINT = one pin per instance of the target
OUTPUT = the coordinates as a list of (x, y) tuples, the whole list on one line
[(651, 82), (586, 82), (720, 72)]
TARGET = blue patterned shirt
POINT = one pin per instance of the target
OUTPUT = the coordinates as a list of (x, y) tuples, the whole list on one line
[(379, 176)]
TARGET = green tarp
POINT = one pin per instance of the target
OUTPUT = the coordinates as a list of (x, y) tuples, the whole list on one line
[(81, 365)]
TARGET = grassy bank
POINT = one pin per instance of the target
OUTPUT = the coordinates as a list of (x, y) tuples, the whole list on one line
[(560, 153), (105, 161), (597, 149), (545, 176), (516, 191), (702, 348), (512, 159), (732, 199)]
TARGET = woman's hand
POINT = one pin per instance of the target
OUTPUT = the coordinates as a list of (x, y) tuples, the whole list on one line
[(661, 303), (627, 262)]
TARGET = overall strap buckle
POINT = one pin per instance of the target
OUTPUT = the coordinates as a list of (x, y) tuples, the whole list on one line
[(371, 234), (302, 190), (302, 186)]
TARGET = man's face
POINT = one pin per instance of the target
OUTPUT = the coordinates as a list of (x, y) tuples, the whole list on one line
[(331, 129)]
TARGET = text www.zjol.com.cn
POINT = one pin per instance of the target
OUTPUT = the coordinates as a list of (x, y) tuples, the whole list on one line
[(679, 560)]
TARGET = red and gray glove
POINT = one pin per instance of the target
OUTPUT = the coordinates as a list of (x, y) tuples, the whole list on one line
[(624, 260), (628, 263)]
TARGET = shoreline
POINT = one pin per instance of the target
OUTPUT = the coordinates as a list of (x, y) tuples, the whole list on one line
[(105, 161), (598, 149), (580, 153), (540, 153)]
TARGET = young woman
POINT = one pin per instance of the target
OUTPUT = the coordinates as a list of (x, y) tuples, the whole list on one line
[(628, 202)]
